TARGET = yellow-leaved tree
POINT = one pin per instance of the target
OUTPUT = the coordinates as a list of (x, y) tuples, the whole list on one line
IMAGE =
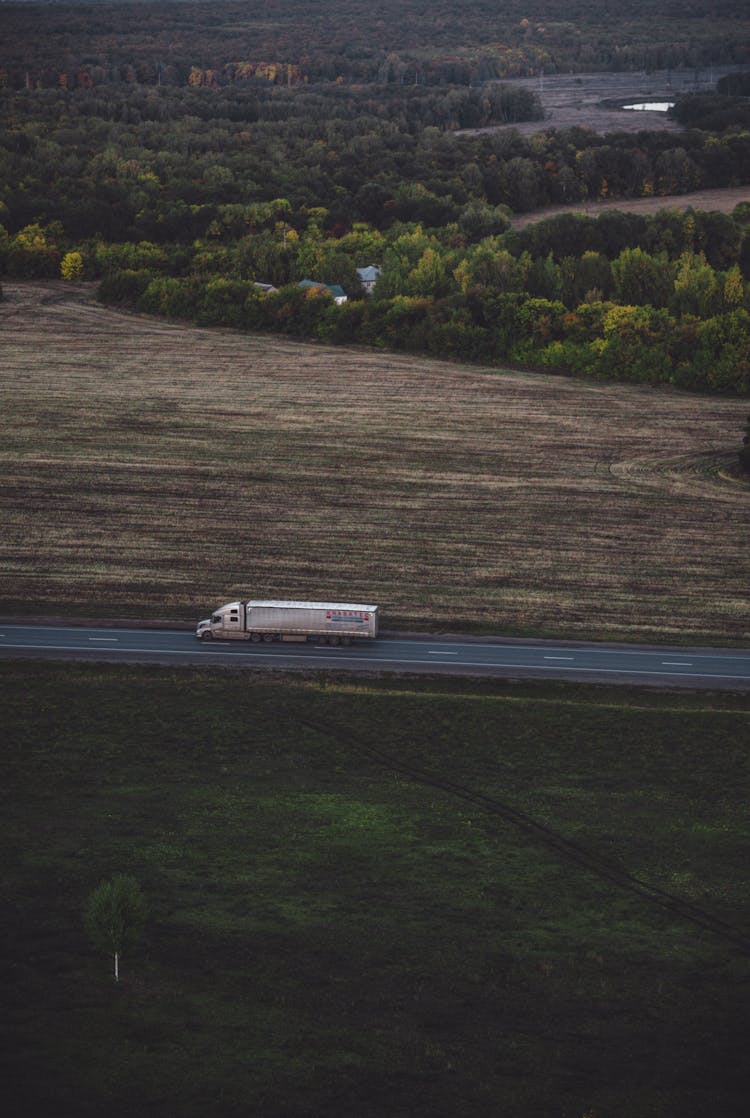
[(71, 267)]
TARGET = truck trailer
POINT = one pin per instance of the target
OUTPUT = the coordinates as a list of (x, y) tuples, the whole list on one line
[(324, 622)]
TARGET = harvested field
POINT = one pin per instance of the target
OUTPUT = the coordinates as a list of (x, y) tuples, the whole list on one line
[(152, 470)]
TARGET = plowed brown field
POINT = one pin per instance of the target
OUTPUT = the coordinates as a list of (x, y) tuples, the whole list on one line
[(154, 470)]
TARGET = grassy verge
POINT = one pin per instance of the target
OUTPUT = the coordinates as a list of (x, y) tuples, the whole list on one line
[(329, 937)]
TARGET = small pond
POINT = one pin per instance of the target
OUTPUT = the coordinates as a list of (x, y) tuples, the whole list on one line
[(651, 106)]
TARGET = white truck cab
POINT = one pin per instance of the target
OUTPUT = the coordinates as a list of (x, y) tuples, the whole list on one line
[(224, 623)]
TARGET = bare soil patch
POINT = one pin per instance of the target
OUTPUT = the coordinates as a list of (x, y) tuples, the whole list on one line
[(594, 100), (152, 469)]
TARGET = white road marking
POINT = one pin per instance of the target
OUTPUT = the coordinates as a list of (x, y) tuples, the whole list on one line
[(729, 661), (431, 653)]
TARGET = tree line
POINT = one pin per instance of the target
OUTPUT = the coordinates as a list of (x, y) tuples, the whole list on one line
[(357, 41), (657, 300)]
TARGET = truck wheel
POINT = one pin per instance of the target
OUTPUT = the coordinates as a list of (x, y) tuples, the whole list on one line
[(255, 638), (207, 635), (268, 637)]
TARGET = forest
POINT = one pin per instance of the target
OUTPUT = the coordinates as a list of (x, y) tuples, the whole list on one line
[(181, 155), (428, 42)]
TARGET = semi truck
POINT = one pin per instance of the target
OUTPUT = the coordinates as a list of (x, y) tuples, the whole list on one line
[(324, 622)]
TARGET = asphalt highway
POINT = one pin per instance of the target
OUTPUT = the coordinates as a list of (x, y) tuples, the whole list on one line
[(504, 658)]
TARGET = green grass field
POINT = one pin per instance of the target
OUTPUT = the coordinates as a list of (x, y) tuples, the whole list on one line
[(330, 937)]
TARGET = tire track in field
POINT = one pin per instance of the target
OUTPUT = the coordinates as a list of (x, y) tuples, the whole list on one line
[(563, 848)]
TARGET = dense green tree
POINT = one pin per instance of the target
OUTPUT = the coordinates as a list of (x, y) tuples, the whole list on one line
[(540, 321), (635, 344), (744, 454), (491, 268), (413, 202), (544, 278), (115, 915), (524, 184), (724, 352), (696, 288), (430, 275), (591, 279), (639, 278), (477, 221), (676, 172), (400, 259)]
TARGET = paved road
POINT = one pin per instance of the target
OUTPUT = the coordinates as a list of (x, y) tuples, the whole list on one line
[(702, 668)]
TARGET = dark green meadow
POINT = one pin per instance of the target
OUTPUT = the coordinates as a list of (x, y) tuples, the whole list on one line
[(329, 937)]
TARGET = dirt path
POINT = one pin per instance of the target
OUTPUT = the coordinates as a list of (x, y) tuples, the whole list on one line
[(724, 201)]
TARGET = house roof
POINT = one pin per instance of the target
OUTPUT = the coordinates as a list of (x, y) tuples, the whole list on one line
[(334, 288), (368, 274)]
